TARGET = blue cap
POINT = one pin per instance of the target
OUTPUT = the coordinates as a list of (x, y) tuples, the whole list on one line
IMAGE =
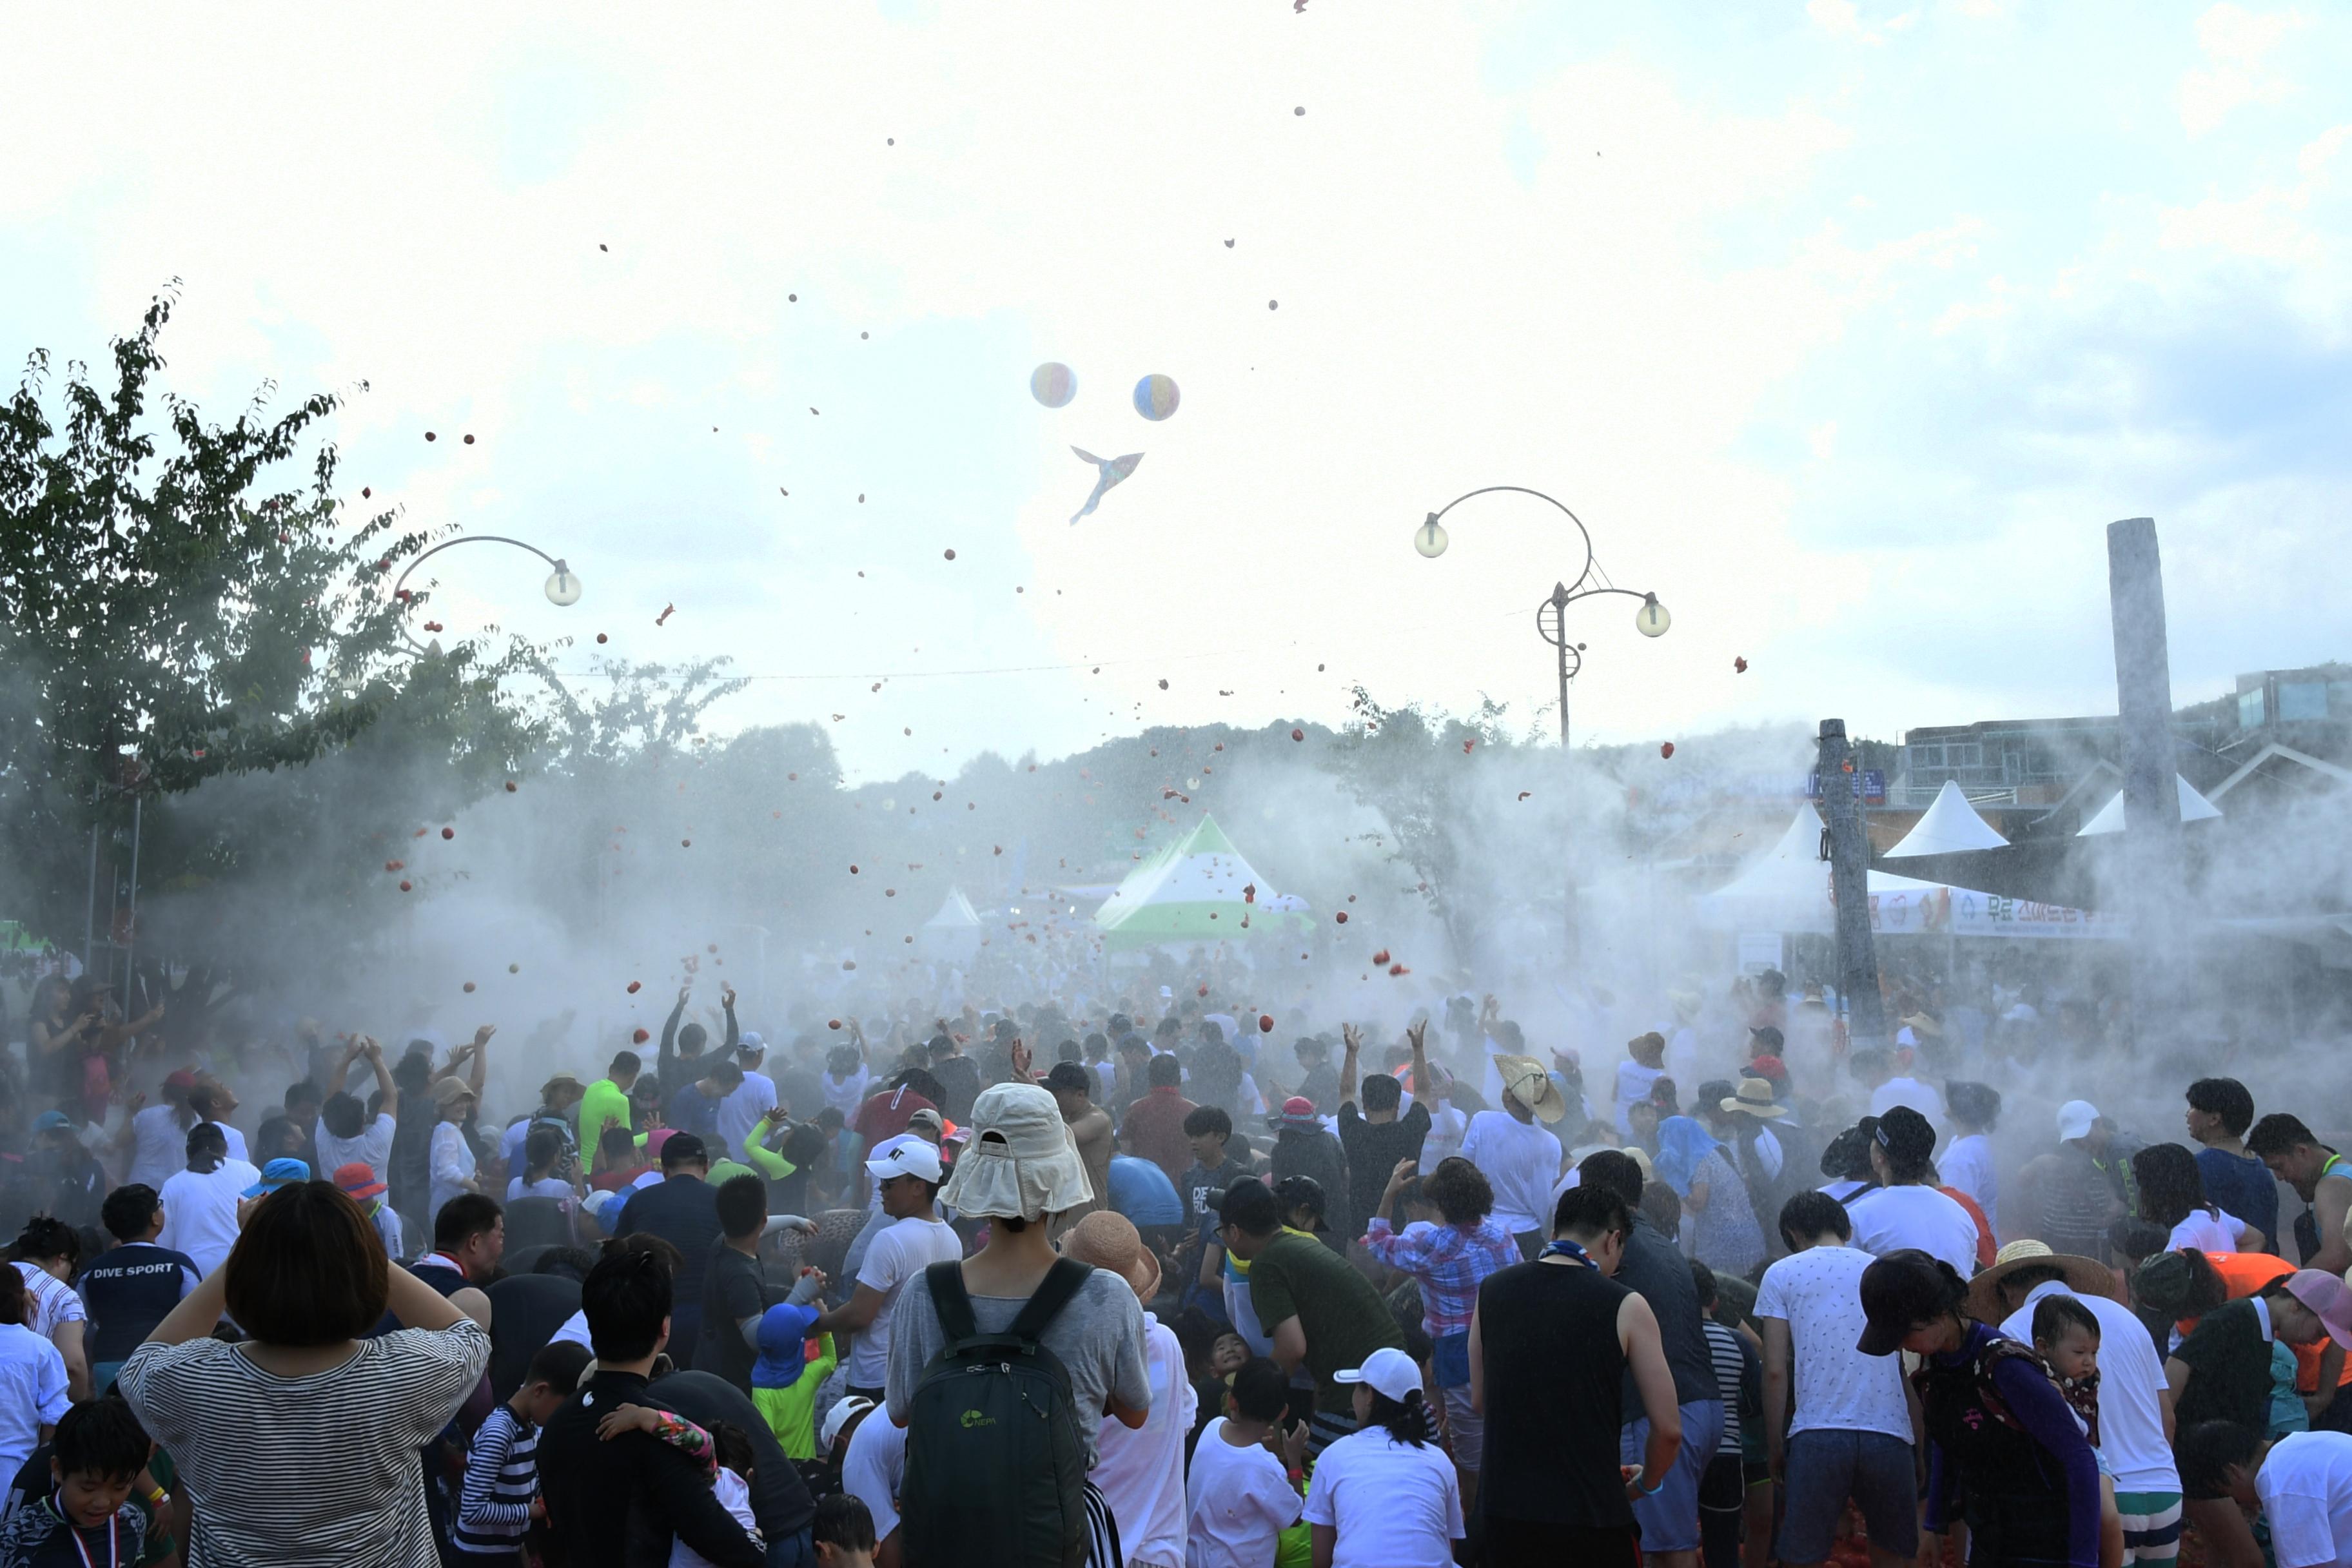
[(52, 1121), (783, 1345), (281, 1173)]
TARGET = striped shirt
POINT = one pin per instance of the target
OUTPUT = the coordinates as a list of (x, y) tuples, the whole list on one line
[(501, 1478), (1448, 1261), (1722, 1348), (318, 1471)]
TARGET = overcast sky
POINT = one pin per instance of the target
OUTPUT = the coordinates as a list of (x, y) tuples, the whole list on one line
[(1845, 327)]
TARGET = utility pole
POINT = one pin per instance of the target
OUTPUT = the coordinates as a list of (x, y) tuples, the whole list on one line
[(1857, 960), (2153, 888)]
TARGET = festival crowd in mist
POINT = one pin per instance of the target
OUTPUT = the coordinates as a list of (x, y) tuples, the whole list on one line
[(1125, 1271)]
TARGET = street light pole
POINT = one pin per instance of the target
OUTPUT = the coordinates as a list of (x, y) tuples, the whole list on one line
[(1551, 624), (562, 586)]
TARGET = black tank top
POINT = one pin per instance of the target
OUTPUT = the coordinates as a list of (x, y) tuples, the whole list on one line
[(1547, 1332)]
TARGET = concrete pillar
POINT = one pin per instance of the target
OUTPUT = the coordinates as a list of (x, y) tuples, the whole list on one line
[(1857, 960), (2152, 886)]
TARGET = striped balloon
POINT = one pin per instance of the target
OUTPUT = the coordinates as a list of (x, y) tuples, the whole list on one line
[(1156, 397), (1053, 385)]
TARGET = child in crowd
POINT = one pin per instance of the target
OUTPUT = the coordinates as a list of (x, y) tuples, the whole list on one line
[(791, 1367), (724, 1452), (844, 1532), (88, 1516), (1243, 1490), (1644, 1064), (499, 1499), (2067, 1335)]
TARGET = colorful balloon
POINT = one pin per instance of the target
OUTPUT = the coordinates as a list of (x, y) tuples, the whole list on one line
[(1156, 397), (1053, 385)]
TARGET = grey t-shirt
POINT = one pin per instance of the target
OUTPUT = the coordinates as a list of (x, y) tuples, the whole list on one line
[(1098, 1336)]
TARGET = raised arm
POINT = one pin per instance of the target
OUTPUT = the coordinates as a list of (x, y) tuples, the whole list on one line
[(1418, 1039), (1354, 1045), (389, 1105), (481, 1059), (734, 1032), (351, 1053), (666, 1059)]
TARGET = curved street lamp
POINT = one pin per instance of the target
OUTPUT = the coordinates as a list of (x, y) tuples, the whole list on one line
[(562, 587), (1551, 616)]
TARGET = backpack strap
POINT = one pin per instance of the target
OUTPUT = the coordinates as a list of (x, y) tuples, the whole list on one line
[(1063, 1281), (951, 1303)]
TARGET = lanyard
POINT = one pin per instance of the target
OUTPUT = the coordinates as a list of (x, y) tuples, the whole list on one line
[(114, 1543), (1571, 1251)]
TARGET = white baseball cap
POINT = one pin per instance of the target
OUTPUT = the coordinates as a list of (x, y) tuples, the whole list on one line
[(843, 1413), (1388, 1370), (914, 1157), (2075, 1118)]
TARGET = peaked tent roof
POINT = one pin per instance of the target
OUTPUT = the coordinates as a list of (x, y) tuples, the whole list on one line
[(1197, 889), (1949, 823), (2194, 808), (956, 913)]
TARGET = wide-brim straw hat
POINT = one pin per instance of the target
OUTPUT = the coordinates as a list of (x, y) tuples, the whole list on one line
[(1755, 1097), (1525, 1080), (2083, 1276), (1021, 1162), (1110, 1240)]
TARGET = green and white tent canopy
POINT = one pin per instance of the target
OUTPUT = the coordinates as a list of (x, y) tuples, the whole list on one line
[(1197, 889)]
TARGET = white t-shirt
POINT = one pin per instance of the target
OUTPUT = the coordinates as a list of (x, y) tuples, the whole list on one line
[(453, 1162), (2131, 1386), (2202, 1231), (741, 1112), (898, 1252), (1892, 1218), (161, 1146), (1447, 1129), (372, 1148), (735, 1497), (1240, 1500), (574, 1332), (236, 1144), (2306, 1490), (54, 1300), (32, 1391), (554, 1187), (1967, 1166), (1920, 1096), (1389, 1502), (1140, 1473), (873, 1470), (1520, 1159), (200, 1213), (1817, 1293)]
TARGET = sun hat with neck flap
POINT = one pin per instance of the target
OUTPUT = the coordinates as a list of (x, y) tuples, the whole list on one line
[(1020, 1163)]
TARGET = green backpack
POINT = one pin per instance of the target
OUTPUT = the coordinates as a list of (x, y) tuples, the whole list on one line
[(996, 1472)]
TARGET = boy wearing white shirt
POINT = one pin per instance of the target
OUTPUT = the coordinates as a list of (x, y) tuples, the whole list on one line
[(1241, 1495), (907, 1180), (2302, 1483), (1905, 1212), (200, 1203)]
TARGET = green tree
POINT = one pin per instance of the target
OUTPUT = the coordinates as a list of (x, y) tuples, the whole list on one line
[(183, 601)]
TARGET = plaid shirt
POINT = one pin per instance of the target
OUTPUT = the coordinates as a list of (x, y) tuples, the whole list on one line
[(1448, 1261)]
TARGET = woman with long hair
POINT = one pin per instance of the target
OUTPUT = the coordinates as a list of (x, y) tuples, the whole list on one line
[(2172, 1194), (2005, 1451), (1385, 1488)]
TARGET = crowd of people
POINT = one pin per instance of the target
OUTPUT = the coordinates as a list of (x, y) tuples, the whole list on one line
[(1139, 1285)]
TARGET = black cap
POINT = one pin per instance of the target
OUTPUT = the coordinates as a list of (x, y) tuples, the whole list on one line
[(1909, 1138), (1901, 1290)]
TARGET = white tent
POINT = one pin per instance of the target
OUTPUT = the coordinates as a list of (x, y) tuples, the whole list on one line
[(956, 913), (1949, 825), (2194, 808), (1785, 889)]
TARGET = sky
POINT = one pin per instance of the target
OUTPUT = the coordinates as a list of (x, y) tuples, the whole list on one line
[(1843, 327)]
